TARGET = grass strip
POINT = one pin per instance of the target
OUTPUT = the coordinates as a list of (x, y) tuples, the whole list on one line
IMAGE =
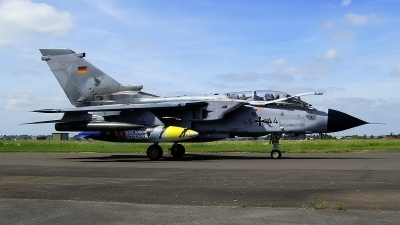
[(314, 146)]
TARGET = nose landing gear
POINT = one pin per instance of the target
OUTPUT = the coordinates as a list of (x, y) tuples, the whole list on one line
[(274, 140)]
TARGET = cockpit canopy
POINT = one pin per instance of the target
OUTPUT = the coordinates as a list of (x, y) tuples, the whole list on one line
[(263, 95), (268, 95)]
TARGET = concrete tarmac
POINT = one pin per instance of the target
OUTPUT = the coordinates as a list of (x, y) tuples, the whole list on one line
[(354, 188)]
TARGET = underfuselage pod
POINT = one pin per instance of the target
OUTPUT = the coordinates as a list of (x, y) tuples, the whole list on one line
[(147, 134)]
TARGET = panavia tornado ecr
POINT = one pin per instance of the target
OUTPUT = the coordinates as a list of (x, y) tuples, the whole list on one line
[(108, 111)]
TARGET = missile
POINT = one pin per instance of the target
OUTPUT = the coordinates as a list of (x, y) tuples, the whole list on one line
[(146, 134)]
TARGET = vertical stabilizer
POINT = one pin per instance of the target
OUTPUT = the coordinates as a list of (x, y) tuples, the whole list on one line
[(81, 81)]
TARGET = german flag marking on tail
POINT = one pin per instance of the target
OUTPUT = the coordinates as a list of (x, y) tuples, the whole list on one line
[(82, 69)]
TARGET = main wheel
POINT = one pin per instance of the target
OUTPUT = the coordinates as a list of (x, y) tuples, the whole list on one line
[(177, 151), (154, 152), (276, 154)]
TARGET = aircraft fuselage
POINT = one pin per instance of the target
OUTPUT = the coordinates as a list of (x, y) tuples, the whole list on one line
[(108, 111)]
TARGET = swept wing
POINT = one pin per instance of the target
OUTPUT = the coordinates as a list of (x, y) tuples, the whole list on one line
[(126, 107)]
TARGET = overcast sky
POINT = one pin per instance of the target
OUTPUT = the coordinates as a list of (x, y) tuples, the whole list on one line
[(349, 50)]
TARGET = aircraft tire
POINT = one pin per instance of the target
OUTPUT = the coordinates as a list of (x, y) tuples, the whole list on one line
[(178, 151), (154, 152), (276, 154)]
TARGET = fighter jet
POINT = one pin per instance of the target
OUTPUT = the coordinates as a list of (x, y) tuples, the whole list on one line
[(108, 111)]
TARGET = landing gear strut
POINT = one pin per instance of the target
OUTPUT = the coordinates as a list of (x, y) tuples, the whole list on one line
[(177, 150), (274, 140), (154, 152)]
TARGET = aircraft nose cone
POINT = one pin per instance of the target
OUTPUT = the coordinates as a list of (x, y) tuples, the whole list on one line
[(338, 121)]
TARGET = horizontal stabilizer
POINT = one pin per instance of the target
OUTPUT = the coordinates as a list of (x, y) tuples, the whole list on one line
[(40, 122), (56, 51), (48, 111)]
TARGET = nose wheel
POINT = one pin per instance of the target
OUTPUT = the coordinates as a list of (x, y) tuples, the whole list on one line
[(276, 154), (274, 140)]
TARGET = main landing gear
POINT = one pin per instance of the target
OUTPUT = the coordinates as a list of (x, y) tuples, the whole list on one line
[(274, 140), (177, 150), (155, 152)]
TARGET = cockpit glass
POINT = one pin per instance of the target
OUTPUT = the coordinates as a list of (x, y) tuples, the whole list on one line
[(267, 95), (263, 95)]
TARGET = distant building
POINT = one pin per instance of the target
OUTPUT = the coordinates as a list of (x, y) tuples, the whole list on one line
[(9, 137), (24, 137), (44, 137), (61, 136), (294, 137)]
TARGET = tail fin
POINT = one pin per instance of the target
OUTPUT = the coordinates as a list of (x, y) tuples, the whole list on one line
[(81, 81)]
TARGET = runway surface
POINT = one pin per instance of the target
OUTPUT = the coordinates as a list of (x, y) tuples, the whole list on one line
[(39, 188)]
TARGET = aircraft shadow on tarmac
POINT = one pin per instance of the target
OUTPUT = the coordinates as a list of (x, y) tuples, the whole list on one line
[(196, 157)]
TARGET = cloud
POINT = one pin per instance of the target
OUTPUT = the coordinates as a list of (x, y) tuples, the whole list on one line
[(15, 108), (255, 77), (317, 69), (330, 54), (283, 75), (22, 72), (21, 100), (141, 43), (21, 18), (328, 24), (345, 3), (125, 74), (294, 89), (356, 20), (277, 62), (352, 105), (109, 8), (329, 5), (395, 72), (361, 20), (290, 70), (341, 37)]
